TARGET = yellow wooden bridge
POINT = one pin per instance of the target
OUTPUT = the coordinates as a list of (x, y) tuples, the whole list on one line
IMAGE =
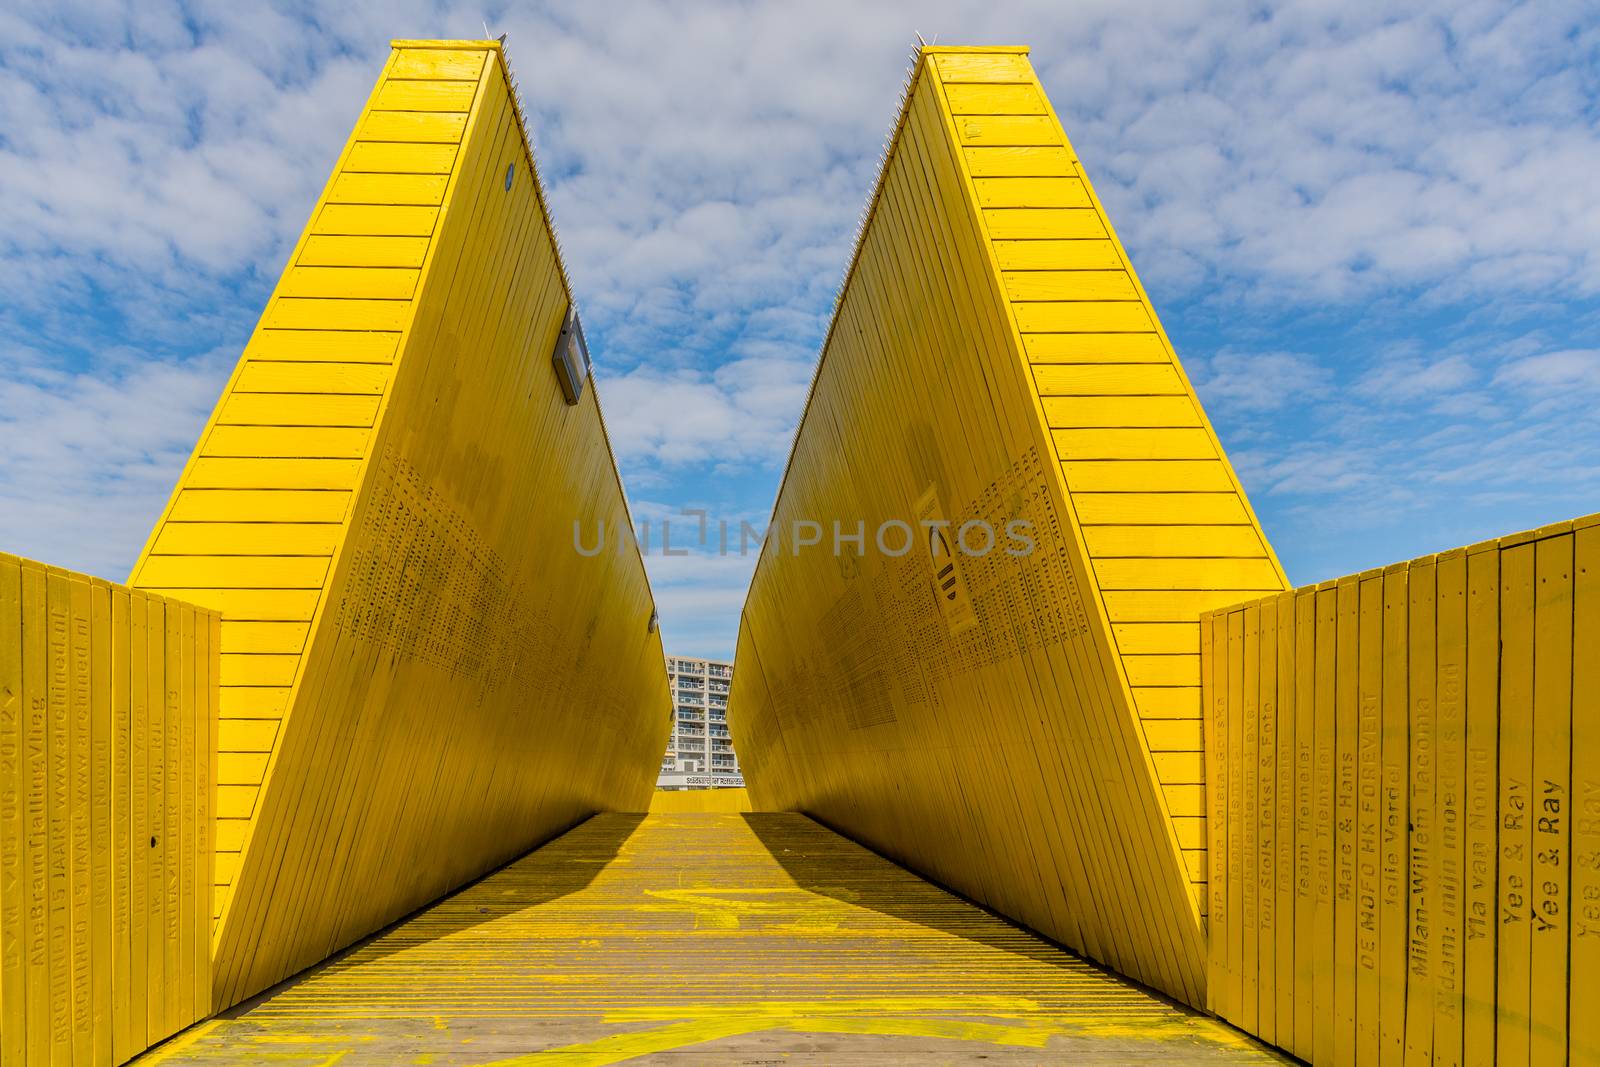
[(1047, 762)]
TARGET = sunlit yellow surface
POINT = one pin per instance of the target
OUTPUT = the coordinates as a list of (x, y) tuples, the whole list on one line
[(723, 939)]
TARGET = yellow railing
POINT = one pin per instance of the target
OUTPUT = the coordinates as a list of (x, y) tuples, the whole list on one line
[(107, 780), (1403, 802)]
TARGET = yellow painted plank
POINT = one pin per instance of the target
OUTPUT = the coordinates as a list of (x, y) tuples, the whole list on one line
[(1300, 678), (278, 637), (1159, 508), (287, 442), (268, 605), (1185, 573), (1550, 814), (246, 539), (1031, 192), (1266, 806), (234, 802), (1156, 637), (1347, 714), (1105, 541), (1167, 605), (1095, 348), (1450, 813), (259, 669), (246, 735), (408, 189), (1329, 839), (412, 125), (301, 313), (99, 739), (1067, 412), (1166, 702), (1107, 379), (253, 702), (1131, 476), (1007, 130), (1584, 929), (983, 67), (212, 473), (1030, 161), (303, 409), (1144, 444), (1513, 986), (1183, 670), (81, 903), (317, 378), (372, 220), (991, 99), (1065, 284), (1249, 778), (386, 157), (1082, 316), (1216, 668), (1393, 932), (367, 282), (233, 572), (260, 505), (157, 985), (399, 94), (1044, 223), (437, 64), (17, 738), (1051, 256), (241, 768), (363, 252), (1369, 819), (1174, 735), (139, 811), (1421, 873)]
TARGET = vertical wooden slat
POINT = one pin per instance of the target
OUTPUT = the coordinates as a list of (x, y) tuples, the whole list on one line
[(1347, 710), (139, 830), (13, 791), (1329, 761), (1283, 864), (123, 1047), (1393, 757), (156, 732), (1550, 814), (1265, 777), (38, 699), (1511, 1003), (174, 1002), (1450, 812), (1250, 766), (1213, 689), (1369, 818), (102, 957), (81, 841), (1482, 841), (1583, 1038)]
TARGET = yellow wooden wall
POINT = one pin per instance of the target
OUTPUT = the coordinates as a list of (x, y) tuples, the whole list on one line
[(689, 801), (1405, 798), (107, 784), (421, 676), (1033, 742)]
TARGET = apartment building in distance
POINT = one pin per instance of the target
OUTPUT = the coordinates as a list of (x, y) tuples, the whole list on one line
[(700, 751)]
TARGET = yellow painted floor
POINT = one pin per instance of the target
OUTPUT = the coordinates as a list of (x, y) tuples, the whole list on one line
[(706, 939)]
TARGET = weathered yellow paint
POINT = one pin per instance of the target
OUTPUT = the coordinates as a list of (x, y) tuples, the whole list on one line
[(1452, 693), (382, 509), (106, 797), (994, 353), (707, 938)]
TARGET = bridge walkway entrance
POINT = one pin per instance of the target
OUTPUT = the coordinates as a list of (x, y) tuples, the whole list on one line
[(706, 938)]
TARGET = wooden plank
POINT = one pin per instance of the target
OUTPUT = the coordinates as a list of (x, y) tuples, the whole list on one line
[(124, 1045), (1550, 814), (1238, 811), (363, 252), (1069, 284), (983, 67), (1065, 412), (271, 474), (1148, 476), (280, 409), (1327, 846), (1017, 257), (1284, 862), (266, 637), (138, 815), (1423, 896), (325, 346), (1103, 541), (1133, 444), (1023, 161), (389, 189), (263, 605), (253, 702), (1482, 844), (1007, 130), (1449, 931), (1266, 810), (247, 539), (175, 999), (1030, 192), (1513, 987), (1083, 316), (1165, 605), (390, 283), (287, 442), (1306, 871), (458, 64), (1064, 224), (1347, 715), (260, 505), (1181, 670), (39, 816), (100, 900), (246, 735), (80, 813), (1014, 99), (155, 735), (1369, 820), (397, 94), (1156, 637), (1094, 347), (305, 313), (372, 220), (1177, 573), (15, 742), (1160, 508), (1250, 822), (316, 378), (422, 126), (206, 740), (1214, 658), (1583, 1037), (384, 157), (258, 668), (1393, 844), (234, 572), (188, 839), (1108, 379)]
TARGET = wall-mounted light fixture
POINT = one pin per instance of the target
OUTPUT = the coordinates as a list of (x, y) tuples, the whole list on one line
[(571, 358)]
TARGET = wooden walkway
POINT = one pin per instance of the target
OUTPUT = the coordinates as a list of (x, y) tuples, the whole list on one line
[(706, 938)]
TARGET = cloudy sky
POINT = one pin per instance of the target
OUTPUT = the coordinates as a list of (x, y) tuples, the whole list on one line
[(1373, 238)]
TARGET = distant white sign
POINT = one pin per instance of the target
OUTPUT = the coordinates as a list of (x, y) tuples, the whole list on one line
[(700, 781)]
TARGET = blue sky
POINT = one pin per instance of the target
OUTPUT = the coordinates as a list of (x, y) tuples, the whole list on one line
[(1373, 237)]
